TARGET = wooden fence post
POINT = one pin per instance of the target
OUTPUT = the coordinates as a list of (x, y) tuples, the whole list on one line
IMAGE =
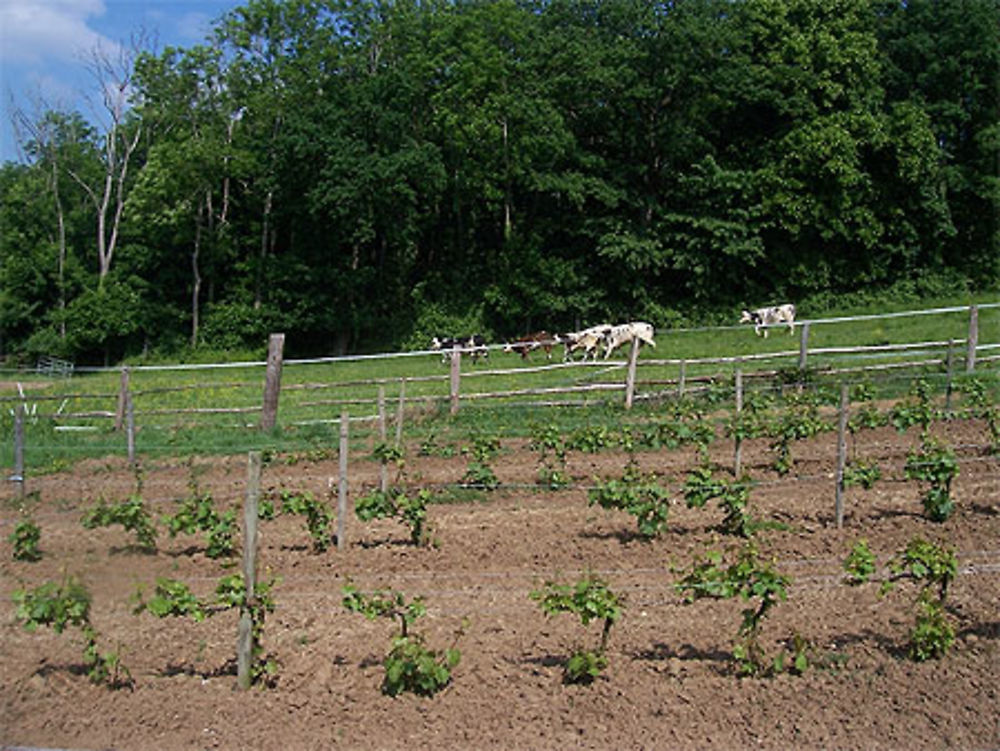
[(738, 449), (18, 475), (342, 482), (383, 472), (804, 346), (399, 412), (123, 396), (680, 379), (841, 456), (633, 358), (970, 358), (272, 381), (244, 638), (950, 366), (456, 377), (130, 428)]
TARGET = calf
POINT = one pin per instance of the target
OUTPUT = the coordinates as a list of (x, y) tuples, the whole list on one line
[(525, 345), (625, 333), (761, 318), (475, 345), (589, 340)]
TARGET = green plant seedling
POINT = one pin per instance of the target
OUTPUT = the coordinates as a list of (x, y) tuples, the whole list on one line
[(410, 665), (60, 605), (934, 464), (589, 599), (318, 518), (25, 539), (131, 514), (747, 578)]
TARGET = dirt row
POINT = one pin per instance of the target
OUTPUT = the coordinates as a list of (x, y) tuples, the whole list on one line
[(670, 682)]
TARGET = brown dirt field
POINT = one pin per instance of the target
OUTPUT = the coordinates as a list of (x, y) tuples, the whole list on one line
[(670, 682)]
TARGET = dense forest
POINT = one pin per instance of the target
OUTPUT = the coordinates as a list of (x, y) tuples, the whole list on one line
[(362, 173)]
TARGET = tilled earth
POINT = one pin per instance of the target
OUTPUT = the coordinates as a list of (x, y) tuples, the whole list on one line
[(670, 682)]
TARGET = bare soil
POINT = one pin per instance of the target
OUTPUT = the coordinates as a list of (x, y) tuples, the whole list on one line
[(670, 682)]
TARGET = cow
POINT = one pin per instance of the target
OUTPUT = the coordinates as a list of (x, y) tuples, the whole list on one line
[(589, 340), (626, 332), (525, 345), (474, 345), (762, 318)]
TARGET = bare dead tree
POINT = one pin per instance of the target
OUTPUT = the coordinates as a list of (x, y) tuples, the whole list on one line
[(112, 72)]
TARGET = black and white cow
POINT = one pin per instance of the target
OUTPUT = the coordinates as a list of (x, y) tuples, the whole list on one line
[(474, 346), (624, 333), (762, 318)]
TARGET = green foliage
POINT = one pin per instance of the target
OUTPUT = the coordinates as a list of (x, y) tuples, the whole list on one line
[(388, 453), (173, 598), (934, 464), (131, 514), (318, 519), (410, 665), (590, 599), (933, 568), (197, 514), (590, 439), (915, 409), (799, 421), (747, 578), (863, 473), (479, 473), (932, 634), (548, 441), (58, 606), (24, 539), (701, 486), (411, 510), (642, 497), (983, 407), (860, 563)]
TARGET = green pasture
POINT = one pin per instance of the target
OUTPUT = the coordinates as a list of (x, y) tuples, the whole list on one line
[(72, 418)]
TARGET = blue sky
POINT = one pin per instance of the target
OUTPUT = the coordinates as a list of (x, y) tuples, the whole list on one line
[(43, 44)]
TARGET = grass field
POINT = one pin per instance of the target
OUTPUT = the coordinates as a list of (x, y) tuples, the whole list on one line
[(315, 393)]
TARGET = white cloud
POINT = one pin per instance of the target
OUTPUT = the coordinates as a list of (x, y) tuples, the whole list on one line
[(39, 31)]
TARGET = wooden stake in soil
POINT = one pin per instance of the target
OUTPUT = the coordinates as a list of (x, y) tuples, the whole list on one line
[(841, 456), (18, 475), (680, 379), (633, 358), (970, 358), (456, 377), (342, 483), (399, 412), (950, 367), (130, 428), (244, 639), (383, 473), (123, 396), (272, 381), (804, 346), (738, 450)]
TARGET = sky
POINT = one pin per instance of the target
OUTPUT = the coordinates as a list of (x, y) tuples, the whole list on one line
[(44, 45)]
